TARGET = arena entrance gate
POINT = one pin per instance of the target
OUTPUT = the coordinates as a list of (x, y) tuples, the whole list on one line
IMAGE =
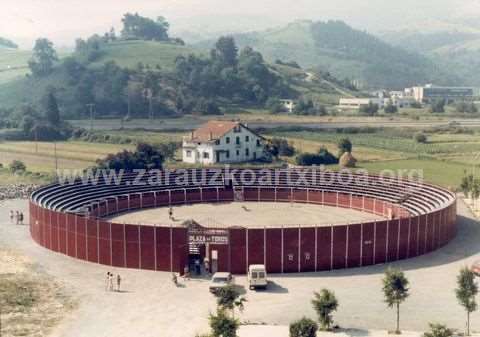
[(206, 248)]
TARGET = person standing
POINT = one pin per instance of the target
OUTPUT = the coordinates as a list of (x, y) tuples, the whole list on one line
[(20, 218), (170, 213), (107, 281), (17, 217), (119, 280), (12, 216), (110, 282)]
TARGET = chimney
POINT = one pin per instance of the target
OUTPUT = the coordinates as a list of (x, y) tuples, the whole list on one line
[(211, 135)]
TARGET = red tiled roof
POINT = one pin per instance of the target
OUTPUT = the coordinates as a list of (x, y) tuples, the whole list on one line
[(213, 130)]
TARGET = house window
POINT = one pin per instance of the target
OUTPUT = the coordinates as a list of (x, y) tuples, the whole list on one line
[(258, 142), (206, 155), (227, 140), (189, 153), (227, 154), (247, 152), (238, 140), (237, 129), (217, 142), (247, 139), (238, 153)]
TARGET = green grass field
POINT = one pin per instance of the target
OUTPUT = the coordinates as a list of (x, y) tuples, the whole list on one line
[(129, 53), (13, 64)]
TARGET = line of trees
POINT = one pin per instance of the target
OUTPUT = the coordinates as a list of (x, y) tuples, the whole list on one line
[(395, 287), (470, 187)]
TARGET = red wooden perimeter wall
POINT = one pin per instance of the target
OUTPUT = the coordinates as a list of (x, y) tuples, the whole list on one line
[(282, 249)]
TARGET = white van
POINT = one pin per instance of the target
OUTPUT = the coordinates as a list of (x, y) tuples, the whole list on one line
[(257, 276)]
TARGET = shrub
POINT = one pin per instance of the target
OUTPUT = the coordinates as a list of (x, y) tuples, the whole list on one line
[(281, 147), (344, 145), (17, 166), (304, 327), (325, 303), (438, 106), (420, 137), (323, 157)]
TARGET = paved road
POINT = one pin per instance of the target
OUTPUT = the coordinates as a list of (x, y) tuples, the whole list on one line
[(153, 307), (193, 123)]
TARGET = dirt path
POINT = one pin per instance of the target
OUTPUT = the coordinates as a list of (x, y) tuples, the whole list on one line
[(152, 306)]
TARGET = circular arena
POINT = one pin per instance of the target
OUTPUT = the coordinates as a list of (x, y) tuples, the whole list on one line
[(290, 220)]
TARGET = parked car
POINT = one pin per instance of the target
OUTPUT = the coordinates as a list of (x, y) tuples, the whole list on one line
[(219, 281), (257, 276)]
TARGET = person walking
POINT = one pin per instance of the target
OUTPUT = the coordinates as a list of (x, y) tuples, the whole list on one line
[(20, 218), (119, 280)]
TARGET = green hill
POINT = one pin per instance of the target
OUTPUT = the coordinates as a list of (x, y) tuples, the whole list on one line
[(345, 52), (13, 64), (16, 88), (455, 50), (128, 54)]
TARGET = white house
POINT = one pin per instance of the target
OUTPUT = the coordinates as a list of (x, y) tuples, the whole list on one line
[(288, 104), (222, 142)]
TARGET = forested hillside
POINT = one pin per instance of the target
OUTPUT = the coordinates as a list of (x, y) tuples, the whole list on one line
[(347, 53), (458, 51)]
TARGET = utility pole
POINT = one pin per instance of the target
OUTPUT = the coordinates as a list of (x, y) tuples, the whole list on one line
[(148, 93), (56, 160), (36, 146), (91, 106)]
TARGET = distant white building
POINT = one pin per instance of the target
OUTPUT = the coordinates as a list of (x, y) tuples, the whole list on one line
[(222, 142), (288, 104), (430, 93), (357, 103)]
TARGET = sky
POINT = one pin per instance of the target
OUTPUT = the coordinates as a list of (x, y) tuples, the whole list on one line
[(64, 20)]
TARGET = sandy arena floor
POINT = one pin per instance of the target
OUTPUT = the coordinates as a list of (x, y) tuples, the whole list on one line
[(248, 214)]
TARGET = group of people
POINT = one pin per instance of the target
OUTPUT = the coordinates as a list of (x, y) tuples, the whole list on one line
[(16, 217), (110, 280)]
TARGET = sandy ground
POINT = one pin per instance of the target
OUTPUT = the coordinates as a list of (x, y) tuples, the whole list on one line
[(248, 214), (151, 306)]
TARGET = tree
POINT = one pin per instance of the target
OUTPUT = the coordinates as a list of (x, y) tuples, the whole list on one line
[(370, 109), (226, 51), (139, 27), (325, 303), (43, 58), (17, 166), (344, 145), (390, 107), (229, 298), (52, 113), (438, 330), (304, 327), (222, 325), (395, 289), (145, 157), (438, 106), (280, 147), (466, 291)]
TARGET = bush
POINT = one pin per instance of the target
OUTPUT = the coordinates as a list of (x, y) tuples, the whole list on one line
[(323, 157), (17, 166), (344, 145), (274, 105), (369, 110), (438, 106), (390, 108), (281, 147), (304, 327), (421, 138)]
